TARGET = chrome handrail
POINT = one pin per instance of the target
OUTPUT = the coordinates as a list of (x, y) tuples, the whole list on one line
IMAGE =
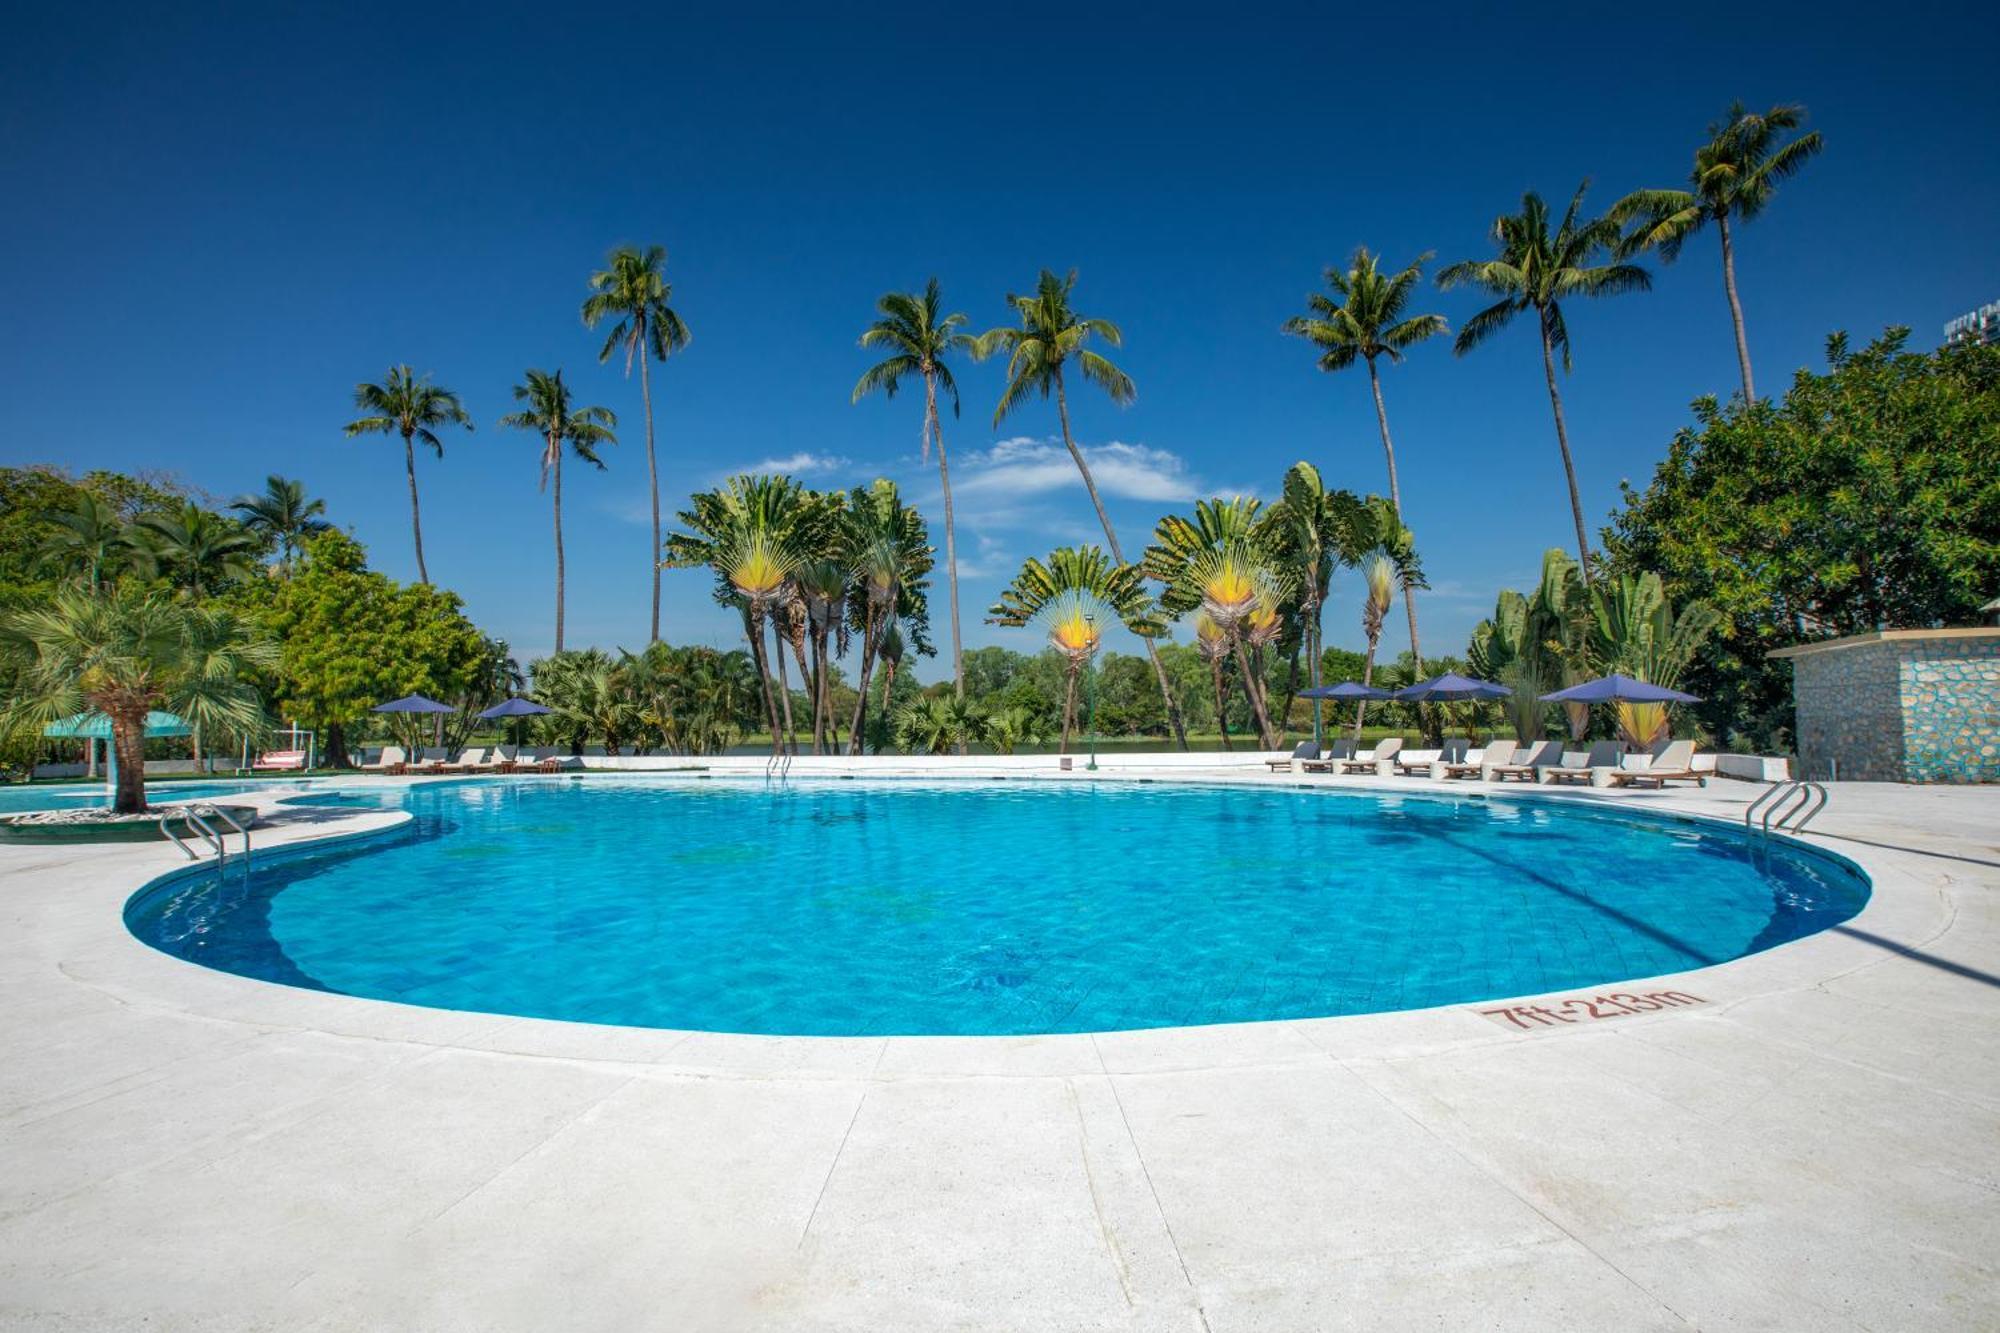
[(229, 819), (174, 837), (1787, 807)]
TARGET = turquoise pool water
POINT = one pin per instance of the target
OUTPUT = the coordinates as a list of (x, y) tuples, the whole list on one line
[(998, 908), (19, 800)]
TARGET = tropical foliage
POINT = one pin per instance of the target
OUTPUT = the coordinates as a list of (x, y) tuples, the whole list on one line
[(551, 413), (1073, 597), (414, 408)]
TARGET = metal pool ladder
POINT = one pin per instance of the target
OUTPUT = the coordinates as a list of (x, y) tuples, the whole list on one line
[(1787, 807), (779, 765), (196, 818)]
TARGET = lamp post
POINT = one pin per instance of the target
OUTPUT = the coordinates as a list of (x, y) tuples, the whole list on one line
[(1090, 694)]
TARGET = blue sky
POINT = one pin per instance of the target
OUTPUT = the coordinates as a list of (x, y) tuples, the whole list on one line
[(219, 221)]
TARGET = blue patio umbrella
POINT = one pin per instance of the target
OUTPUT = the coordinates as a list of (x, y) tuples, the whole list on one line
[(515, 707), (1347, 689), (413, 703), (1616, 688), (417, 703), (1451, 688)]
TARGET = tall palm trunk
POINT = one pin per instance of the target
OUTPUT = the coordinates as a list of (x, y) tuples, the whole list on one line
[(555, 469), (1396, 503), (1736, 308), (806, 682), (1562, 441), (652, 474), (1174, 719), (416, 519), (818, 693), (753, 624), (1255, 695), (861, 686), (791, 743), (1221, 700), (1367, 678), (1069, 709), (950, 540), (1312, 646)]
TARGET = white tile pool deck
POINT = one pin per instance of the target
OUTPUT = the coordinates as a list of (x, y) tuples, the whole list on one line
[(1817, 1145)]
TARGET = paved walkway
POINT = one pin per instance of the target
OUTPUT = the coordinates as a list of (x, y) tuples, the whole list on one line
[(1816, 1144)]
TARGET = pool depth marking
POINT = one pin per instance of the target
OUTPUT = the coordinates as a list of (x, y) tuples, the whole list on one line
[(1577, 1009)]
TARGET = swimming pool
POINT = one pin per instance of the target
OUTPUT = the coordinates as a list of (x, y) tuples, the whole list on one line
[(858, 908), (20, 800)]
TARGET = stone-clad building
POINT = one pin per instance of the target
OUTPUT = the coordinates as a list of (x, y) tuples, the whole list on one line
[(1911, 705)]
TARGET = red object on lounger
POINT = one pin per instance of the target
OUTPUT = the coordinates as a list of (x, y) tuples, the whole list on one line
[(279, 760)]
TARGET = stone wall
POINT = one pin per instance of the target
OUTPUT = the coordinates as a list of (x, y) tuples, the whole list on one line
[(1951, 709), (1900, 709)]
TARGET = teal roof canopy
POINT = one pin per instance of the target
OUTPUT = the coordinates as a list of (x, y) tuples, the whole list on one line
[(97, 726)]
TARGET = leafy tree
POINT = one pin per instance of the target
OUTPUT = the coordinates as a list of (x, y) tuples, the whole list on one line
[(1869, 498), (352, 638), (1735, 174), (553, 415), (1051, 335), (89, 541), (632, 290), (283, 514), (919, 338), (414, 409), (1537, 270), (124, 652), (1366, 320), (934, 724)]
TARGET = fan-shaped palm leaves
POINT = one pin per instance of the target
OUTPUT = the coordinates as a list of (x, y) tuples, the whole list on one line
[(125, 653), (1073, 596), (284, 514), (938, 725), (1735, 175), (1218, 562), (1538, 269), (414, 409), (919, 338), (632, 291), (1309, 533), (889, 557), (1634, 630), (1051, 335), (552, 414)]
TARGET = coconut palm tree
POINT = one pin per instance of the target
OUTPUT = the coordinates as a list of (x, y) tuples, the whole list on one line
[(284, 515), (1735, 174), (1072, 596), (551, 414), (1050, 336), (91, 542), (632, 290), (414, 409), (919, 338), (1538, 269), (193, 549), (125, 653), (1365, 320)]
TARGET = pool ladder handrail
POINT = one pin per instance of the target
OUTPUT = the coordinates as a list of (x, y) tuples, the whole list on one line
[(196, 818), (1787, 807), (779, 765)]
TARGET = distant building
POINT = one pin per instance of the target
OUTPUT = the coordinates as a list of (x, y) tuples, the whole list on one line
[(1980, 326)]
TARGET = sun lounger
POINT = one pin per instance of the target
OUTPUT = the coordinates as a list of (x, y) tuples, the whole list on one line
[(391, 760), (1305, 750), (1428, 763), (1340, 752), (1674, 763), (279, 761), (434, 759), (469, 761), (1527, 763), (1365, 763), (1496, 752), (1575, 767), (480, 761)]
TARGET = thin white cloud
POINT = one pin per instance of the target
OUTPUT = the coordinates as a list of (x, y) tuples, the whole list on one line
[(1025, 466), (801, 464)]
